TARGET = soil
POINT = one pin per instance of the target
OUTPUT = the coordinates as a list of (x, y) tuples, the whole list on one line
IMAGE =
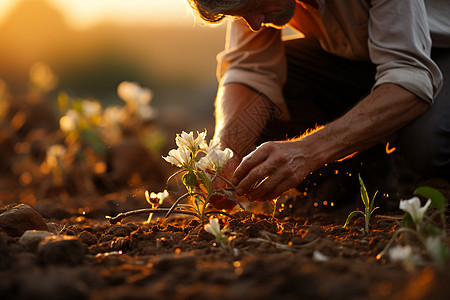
[(310, 257), (288, 256)]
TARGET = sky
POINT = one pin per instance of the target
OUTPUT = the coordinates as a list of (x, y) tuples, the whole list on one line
[(85, 13)]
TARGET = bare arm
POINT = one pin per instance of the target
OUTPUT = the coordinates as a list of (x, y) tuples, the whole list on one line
[(287, 163), (241, 115)]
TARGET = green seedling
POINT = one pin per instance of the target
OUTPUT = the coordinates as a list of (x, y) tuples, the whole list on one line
[(368, 207)]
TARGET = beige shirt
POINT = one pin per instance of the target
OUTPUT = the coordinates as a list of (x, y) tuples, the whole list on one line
[(396, 35)]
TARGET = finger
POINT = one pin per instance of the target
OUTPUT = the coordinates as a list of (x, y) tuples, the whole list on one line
[(226, 172), (248, 163), (268, 193), (267, 187), (252, 179)]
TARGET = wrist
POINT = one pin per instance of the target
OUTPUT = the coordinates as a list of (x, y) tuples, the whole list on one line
[(316, 148)]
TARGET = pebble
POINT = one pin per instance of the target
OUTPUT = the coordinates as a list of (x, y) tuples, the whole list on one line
[(87, 238), (21, 218), (314, 232), (30, 239), (61, 249)]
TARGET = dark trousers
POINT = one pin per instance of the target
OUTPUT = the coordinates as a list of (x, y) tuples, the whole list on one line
[(321, 87)]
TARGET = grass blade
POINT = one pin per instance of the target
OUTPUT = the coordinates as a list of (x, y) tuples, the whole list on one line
[(351, 215)]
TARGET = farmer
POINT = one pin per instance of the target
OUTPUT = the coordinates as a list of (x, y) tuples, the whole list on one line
[(366, 71)]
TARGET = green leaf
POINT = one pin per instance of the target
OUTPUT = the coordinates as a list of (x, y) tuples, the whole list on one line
[(189, 180), (408, 221), (445, 253), (205, 178), (364, 195), (437, 199), (93, 140), (371, 209), (371, 212), (351, 215), (430, 230)]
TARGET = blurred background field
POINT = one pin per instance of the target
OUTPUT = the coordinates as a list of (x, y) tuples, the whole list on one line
[(93, 45), (64, 130)]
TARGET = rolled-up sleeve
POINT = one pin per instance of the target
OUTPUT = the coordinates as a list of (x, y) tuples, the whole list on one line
[(255, 59), (400, 45)]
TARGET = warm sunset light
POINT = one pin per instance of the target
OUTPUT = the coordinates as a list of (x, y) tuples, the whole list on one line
[(85, 13)]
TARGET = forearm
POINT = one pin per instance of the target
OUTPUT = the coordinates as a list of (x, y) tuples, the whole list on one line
[(241, 115), (383, 112)]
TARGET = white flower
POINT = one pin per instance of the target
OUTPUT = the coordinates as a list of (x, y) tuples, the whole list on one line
[(215, 159), (219, 157), (134, 94), (214, 228), (187, 140), (318, 256), (91, 108), (205, 163), (412, 206), (55, 154), (401, 253), (156, 198), (146, 113), (113, 115), (179, 157), (56, 150), (214, 144), (434, 248), (69, 122)]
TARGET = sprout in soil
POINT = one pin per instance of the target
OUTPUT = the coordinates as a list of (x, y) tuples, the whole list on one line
[(213, 227), (200, 165), (368, 207)]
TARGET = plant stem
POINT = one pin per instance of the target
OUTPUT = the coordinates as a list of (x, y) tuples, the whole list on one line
[(175, 204), (227, 181), (121, 216), (403, 229)]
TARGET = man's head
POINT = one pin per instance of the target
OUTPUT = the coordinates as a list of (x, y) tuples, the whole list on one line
[(257, 13)]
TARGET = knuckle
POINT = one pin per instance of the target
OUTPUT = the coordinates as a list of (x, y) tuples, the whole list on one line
[(287, 172), (282, 158), (267, 146)]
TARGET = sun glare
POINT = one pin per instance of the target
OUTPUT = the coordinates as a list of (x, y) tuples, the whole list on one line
[(85, 13)]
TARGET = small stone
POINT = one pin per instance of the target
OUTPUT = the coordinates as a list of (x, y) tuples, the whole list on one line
[(21, 218), (54, 227), (119, 230), (62, 249), (314, 232), (87, 238), (31, 238)]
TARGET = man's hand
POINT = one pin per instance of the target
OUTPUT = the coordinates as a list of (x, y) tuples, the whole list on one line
[(270, 170)]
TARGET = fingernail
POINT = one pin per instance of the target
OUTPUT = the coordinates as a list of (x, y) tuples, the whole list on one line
[(239, 191)]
